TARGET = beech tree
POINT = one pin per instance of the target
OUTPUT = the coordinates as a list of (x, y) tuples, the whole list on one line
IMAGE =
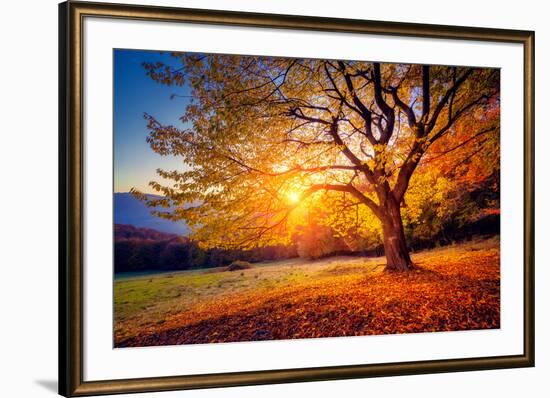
[(266, 139)]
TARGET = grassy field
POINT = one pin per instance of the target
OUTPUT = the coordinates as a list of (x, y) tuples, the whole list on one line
[(452, 288)]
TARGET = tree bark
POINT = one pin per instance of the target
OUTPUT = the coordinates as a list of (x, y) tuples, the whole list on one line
[(395, 245)]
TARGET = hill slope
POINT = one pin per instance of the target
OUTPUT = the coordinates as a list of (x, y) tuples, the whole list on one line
[(129, 210)]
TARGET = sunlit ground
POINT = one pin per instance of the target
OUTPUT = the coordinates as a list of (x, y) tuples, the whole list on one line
[(452, 288)]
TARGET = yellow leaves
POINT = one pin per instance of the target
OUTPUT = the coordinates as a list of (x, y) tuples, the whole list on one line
[(370, 163), (427, 190)]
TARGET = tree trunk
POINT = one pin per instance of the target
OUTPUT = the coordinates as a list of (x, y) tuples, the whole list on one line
[(395, 245)]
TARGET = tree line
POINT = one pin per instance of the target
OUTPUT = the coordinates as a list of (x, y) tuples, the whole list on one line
[(144, 249)]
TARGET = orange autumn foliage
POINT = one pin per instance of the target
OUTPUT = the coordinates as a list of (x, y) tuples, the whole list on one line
[(455, 288)]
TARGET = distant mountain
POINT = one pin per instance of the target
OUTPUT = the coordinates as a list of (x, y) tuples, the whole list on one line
[(125, 232), (129, 210)]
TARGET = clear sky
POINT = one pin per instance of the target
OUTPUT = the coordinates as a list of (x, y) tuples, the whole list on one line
[(134, 94)]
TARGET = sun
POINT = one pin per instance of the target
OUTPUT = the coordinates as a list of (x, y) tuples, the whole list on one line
[(293, 196)]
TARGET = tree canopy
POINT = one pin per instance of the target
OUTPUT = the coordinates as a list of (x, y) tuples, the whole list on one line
[(274, 145)]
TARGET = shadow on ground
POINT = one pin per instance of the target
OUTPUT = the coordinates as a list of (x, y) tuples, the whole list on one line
[(50, 385)]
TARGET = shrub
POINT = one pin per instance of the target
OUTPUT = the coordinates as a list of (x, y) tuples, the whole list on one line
[(316, 241), (239, 265)]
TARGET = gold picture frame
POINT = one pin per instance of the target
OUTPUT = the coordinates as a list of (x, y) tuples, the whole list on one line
[(71, 239)]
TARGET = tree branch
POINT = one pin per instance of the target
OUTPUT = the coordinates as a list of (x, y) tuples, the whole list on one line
[(457, 146), (333, 131), (346, 188), (388, 112), (364, 112), (446, 98), (406, 171), (456, 116), (405, 108), (425, 92)]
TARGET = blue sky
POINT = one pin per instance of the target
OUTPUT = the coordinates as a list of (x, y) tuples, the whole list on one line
[(134, 94)]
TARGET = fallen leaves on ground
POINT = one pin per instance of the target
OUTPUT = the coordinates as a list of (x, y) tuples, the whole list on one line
[(453, 288)]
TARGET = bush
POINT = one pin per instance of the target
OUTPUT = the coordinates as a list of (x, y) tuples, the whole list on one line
[(316, 242), (239, 265)]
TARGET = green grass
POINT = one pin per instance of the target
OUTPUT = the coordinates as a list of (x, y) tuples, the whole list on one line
[(147, 299)]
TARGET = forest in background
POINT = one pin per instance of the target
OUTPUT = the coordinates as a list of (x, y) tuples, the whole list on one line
[(145, 249)]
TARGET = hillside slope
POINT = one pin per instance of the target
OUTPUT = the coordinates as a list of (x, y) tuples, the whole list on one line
[(129, 210)]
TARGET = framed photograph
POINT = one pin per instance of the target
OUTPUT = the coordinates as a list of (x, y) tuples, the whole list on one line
[(252, 199)]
